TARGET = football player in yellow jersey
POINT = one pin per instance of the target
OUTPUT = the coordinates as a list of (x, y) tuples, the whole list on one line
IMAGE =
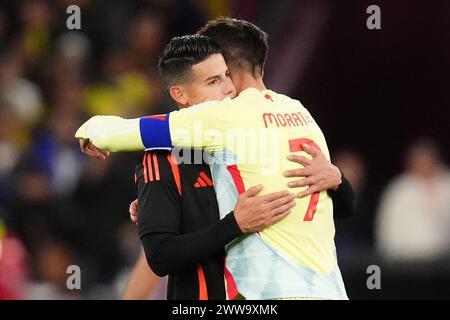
[(294, 258)]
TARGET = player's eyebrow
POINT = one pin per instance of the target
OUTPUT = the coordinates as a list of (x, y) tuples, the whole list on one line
[(212, 78)]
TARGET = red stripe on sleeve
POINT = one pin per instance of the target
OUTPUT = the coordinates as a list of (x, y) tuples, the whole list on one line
[(144, 164), (155, 162), (176, 173), (150, 167)]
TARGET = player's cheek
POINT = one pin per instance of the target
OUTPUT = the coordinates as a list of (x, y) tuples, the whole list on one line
[(216, 92)]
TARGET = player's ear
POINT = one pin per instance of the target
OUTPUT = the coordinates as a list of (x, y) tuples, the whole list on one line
[(177, 93)]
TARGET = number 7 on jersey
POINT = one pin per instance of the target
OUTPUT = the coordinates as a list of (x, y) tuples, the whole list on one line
[(296, 146)]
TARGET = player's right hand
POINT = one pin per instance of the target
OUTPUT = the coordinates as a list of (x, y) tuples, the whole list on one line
[(254, 213), (87, 147)]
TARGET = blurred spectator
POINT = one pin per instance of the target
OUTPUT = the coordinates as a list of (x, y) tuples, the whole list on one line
[(13, 266), (182, 17), (70, 60), (31, 24), (102, 197), (57, 153), (18, 93), (36, 216), (147, 36), (353, 167), (414, 215), (217, 8), (53, 147), (51, 277), (125, 92), (9, 150), (353, 236), (36, 18), (128, 87), (3, 30)]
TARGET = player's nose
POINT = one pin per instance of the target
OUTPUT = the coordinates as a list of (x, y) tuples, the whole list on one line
[(230, 90)]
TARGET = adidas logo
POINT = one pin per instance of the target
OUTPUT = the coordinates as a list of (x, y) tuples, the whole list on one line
[(203, 181)]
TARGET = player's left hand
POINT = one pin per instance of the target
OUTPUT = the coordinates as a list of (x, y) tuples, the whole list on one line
[(319, 173)]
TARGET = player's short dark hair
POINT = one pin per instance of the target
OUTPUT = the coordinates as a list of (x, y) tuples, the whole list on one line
[(244, 45), (181, 54)]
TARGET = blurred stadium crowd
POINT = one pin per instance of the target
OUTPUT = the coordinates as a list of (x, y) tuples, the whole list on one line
[(60, 208)]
